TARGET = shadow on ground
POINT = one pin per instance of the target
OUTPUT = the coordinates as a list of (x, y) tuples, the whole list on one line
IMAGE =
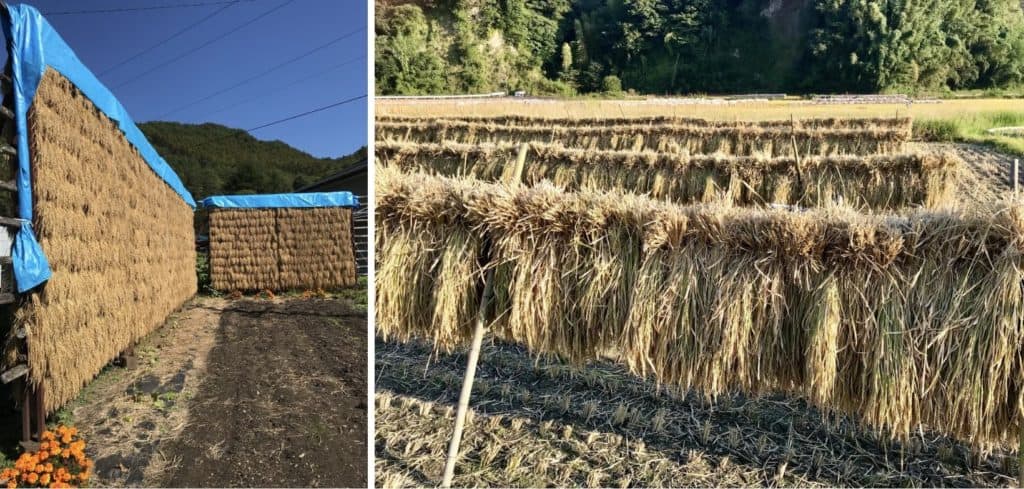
[(541, 422), (283, 402)]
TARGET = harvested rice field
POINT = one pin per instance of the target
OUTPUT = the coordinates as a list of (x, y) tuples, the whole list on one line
[(802, 302), (248, 392), (540, 423)]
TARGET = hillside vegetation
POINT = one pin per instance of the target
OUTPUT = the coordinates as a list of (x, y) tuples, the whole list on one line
[(687, 46), (212, 159)]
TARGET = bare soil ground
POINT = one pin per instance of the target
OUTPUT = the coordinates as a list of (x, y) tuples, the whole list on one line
[(251, 392), (540, 422)]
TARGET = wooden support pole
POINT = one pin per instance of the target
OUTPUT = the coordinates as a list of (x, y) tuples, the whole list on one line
[(26, 409), (467, 382), (516, 178), (1016, 176), (40, 411)]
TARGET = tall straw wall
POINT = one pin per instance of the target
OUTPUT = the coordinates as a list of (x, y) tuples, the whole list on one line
[(119, 241), (888, 123), (738, 141), (281, 249), (901, 320), (879, 182)]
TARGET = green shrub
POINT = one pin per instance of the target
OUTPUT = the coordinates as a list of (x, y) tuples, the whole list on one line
[(611, 84)]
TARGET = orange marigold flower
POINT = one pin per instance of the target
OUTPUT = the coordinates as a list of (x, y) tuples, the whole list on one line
[(39, 468), (32, 478), (48, 436), (43, 455), (48, 467), (11, 484), (44, 479)]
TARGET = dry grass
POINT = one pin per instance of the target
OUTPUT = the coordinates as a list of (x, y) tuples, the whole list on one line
[(281, 249), (901, 320), (743, 140), (119, 241), (879, 182)]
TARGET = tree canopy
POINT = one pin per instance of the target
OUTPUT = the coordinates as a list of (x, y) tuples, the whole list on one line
[(685, 46), (212, 159)]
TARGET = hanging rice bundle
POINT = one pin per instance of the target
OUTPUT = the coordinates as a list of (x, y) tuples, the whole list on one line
[(686, 139), (879, 182), (281, 249), (903, 320), (869, 123), (119, 241)]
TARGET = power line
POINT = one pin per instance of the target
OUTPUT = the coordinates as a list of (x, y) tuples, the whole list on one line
[(205, 44), (173, 36), (308, 112), (286, 119), (290, 84), (136, 9), (263, 73)]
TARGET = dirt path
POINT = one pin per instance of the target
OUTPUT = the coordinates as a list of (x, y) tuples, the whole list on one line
[(236, 393)]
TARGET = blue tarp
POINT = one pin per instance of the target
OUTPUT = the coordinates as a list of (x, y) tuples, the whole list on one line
[(35, 46), (264, 201)]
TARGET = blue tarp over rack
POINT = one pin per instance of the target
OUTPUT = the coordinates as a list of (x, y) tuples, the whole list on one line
[(36, 46), (264, 201)]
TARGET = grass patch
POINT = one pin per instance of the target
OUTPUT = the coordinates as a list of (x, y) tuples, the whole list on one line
[(358, 294), (973, 128)]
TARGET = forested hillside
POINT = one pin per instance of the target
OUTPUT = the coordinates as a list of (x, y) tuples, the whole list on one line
[(213, 159), (687, 46)]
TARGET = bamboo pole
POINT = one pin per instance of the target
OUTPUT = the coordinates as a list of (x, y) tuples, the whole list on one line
[(516, 178), (1016, 175)]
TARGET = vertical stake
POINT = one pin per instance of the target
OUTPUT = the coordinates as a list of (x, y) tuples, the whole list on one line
[(1016, 176), (26, 409), (516, 179), (40, 410)]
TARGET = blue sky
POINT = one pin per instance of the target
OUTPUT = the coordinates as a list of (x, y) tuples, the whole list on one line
[(331, 74)]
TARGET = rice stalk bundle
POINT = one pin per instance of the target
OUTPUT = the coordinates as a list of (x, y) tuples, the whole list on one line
[(903, 319), (119, 241), (281, 249), (739, 141), (868, 123), (877, 182)]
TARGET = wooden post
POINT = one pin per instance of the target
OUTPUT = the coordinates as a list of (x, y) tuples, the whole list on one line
[(467, 382), (40, 410), (516, 178), (26, 409), (1016, 176)]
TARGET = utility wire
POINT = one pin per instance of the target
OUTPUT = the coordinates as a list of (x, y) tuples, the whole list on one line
[(286, 119), (263, 73), (290, 84), (205, 44), (136, 9), (173, 36)]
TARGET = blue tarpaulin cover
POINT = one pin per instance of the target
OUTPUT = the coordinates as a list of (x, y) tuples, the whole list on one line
[(35, 46), (264, 201)]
